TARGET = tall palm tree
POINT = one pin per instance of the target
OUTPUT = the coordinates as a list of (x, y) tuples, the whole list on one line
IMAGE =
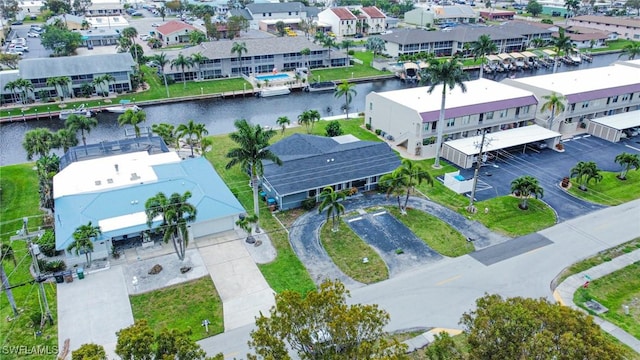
[(585, 171), (25, 87), (131, 33), (346, 44), (330, 200), (198, 59), (133, 118), (167, 133), (176, 212), (627, 161), (306, 52), (415, 175), (308, 118), (252, 150), (631, 50), (448, 74), (561, 44), (6, 253), (12, 86), (375, 44), (65, 82), (239, 48), (554, 104), (54, 82), (64, 139), (329, 43), (283, 121), (481, 48), (193, 132), (525, 187), (182, 62), (99, 81), (38, 141), (395, 184), (83, 238), (47, 167), (162, 61), (347, 90), (81, 123)]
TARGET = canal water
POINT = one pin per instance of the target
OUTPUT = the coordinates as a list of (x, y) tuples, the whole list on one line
[(219, 114)]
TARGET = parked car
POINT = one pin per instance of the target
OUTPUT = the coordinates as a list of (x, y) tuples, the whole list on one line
[(145, 37), (19, 41), (358, 36), (17, 22), (155, 25), (20, 48), (14, 52), (137, 13), (33, 35), (89, 46), (153, 63)]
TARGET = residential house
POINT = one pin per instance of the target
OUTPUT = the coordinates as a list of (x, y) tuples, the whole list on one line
[(436, 14), (79, 69), (497, 15), (341, 19), (589, 93), (262, 56), (105, 8), (100, 37), (626, 28), (509, 37), (30, 7), (409, 117), (373, 21), (174, 32), (584, 38), (264, 16), (310, 163), (110, 189)]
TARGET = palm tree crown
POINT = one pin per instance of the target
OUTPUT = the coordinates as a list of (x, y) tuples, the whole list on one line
[(627, 161), (481, 48), (175, 212), (81, 123), (133, 118), (584, 172), (330, 200), (38, 141), (525, 187), (82, 240), (347, 90), (554, 104), (239, 48), (182, 62)]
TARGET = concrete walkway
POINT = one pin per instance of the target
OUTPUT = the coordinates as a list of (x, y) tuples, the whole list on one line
[(564, 293)]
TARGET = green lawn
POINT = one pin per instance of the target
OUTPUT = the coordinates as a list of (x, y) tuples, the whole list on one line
[(19, 198), (354, 71), (439, 235), (614, 291), (347, 250), (506, 217), (611, 190), (182, 307)]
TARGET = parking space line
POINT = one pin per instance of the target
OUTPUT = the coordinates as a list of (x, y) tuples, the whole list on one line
[(631, 147), (379, 213), (355, 219), (448, 280)]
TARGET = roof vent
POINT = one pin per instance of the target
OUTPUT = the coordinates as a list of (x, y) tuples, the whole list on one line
[(117, 167), (98, 182), (109, 181), (134, 177)]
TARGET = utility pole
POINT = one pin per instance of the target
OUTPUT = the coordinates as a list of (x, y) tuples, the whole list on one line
[(471, 208), (34, 250)]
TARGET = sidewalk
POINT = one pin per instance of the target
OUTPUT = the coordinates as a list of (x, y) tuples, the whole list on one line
[(564, 293)]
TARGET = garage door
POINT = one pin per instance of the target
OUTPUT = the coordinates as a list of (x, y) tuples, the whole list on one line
[(215, 226)]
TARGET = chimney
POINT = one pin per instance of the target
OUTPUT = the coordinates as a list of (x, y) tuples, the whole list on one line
[(116, 166)]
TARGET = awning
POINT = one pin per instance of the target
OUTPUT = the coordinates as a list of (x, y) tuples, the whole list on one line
[(503, 139), (620, 121)]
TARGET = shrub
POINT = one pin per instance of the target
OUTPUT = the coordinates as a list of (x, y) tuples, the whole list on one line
[(378, 132), (547, 21), (47, 243), (55, 266), (333, 129), (309, 204), (351, 52), (368, 126), (43, 265)]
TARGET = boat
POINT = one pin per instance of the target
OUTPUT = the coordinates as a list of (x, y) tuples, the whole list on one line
[(273, 91), (124, 106), (575, 57), (410, 72), (519, 61), (320, 86), (507, 61), (80, 110), (531, 59), (493, 61)]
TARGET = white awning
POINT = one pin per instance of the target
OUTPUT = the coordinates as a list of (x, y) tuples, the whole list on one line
[(620, 121), (503, 139), (124, 221)]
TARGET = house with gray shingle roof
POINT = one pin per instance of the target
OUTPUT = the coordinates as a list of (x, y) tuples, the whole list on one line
[(262, 56), (291, 13), (310, 163)]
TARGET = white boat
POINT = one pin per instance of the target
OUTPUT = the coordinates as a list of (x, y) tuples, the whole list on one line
[(320, 86), (80, 110), (124, 106), (575, 57), (274, 91)]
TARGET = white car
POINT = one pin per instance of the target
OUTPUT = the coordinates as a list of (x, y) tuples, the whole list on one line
[(20, 48), (145, 37), (14, 52), (19, 41), (33, 35), (155, 25)]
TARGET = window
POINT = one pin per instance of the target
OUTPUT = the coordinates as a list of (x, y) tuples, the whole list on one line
[(614, 99), (465, 120), (488, 115), (312, 193), (524, 109), (572, 107), (370, 106), (451, 122), (503, 113)]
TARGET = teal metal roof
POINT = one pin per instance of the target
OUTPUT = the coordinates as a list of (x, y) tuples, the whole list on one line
[(209, 194)]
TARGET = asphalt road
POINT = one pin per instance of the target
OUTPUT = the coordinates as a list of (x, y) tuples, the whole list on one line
[(438, 294)]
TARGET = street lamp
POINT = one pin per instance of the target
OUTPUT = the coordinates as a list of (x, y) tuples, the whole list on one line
[(49, 111), (201, 91)]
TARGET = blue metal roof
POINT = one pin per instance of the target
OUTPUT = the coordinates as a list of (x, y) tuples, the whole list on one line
[(209, 194)]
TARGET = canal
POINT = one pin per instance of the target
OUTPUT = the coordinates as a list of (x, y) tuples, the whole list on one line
[(219, 114)]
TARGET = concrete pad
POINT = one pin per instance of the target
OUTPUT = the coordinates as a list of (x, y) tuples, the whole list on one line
[(92, 310), (240, 284)]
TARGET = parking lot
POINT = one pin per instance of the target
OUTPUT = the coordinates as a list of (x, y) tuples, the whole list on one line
[(36, 50), (549, 167)]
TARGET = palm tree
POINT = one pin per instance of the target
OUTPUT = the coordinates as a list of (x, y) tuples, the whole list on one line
[(376, 45), (99, 81), (448, 74), (131, 33), (329, 43), (395, 184), (561, 43), (347, 90), (197, 37), (64, 83), (167, 133), (206, 144), (627, 161), (585, 171), (53, 82), (64, 139), (193, 132), (162, 61), (12, 86), (182, 62), (133, 118), (38, 141), (283, 121), (346, 44), (47, 167), (83, 238), (330, 200), (6, 253), (25, 86), (415, 175), (239, 48), (306, 52), (81, 123), (537, 42), (524, 187), (554, 104), (176, 212), (252, 150), (572, 7), (198, 59), (308, 118), (481, 48), (631, 50)]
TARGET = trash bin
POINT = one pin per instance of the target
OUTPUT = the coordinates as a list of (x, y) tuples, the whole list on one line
[(80, 272), (59, 277), (68, 276)]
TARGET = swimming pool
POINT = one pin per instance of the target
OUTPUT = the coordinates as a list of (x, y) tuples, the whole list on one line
[(280, 76)]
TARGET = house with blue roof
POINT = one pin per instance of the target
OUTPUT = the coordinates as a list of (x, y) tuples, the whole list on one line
[(111, 192), (310, 163)]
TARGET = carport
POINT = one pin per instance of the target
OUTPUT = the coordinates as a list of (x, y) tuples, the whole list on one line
[(463, 152), (611, 127)]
